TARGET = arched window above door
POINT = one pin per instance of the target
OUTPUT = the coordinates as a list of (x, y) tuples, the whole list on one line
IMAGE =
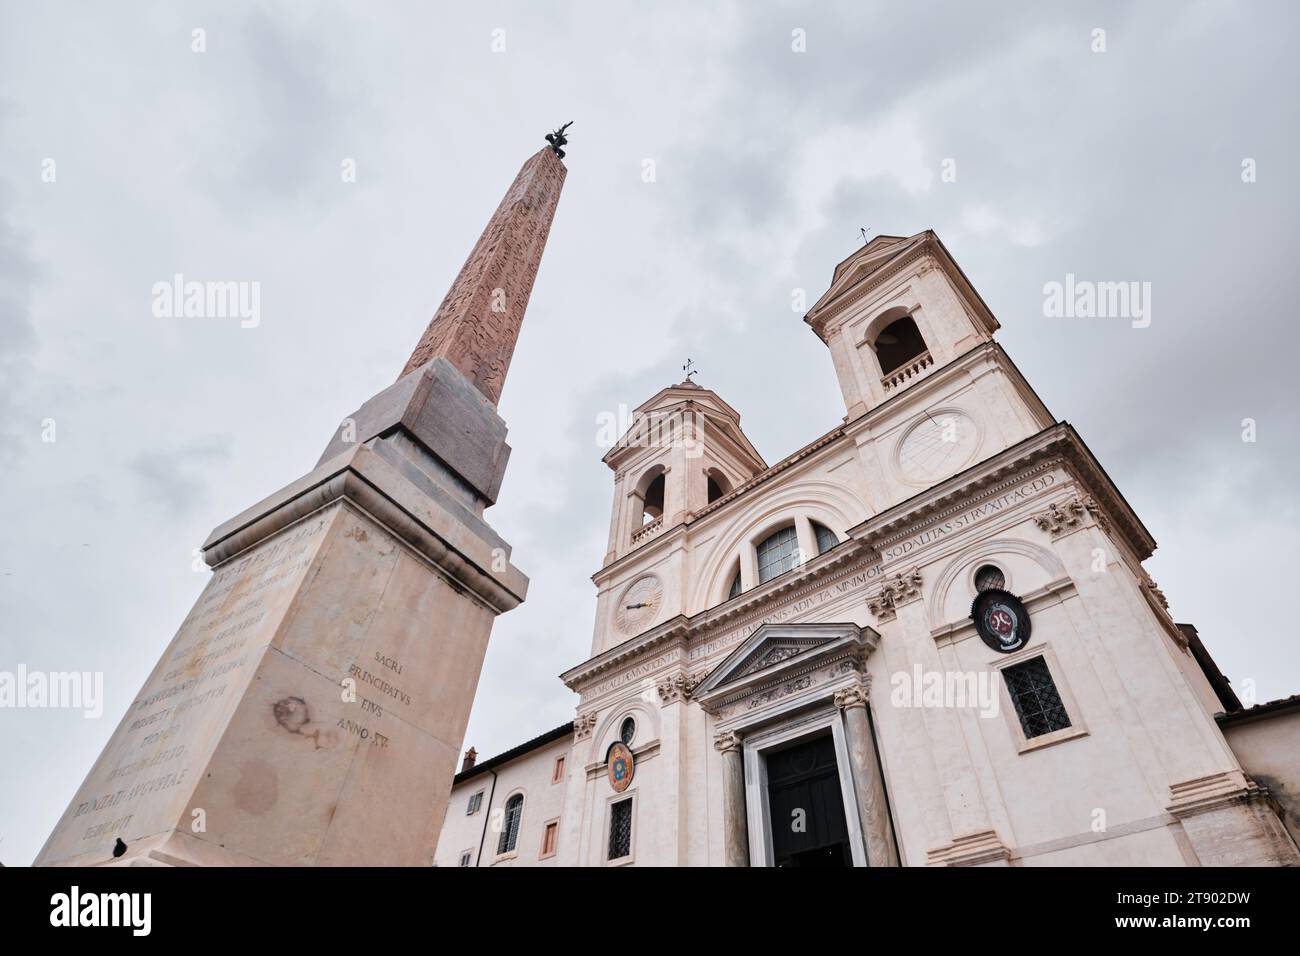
[(777, 553)]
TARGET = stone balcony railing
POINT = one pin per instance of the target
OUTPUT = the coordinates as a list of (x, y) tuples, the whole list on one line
[(648, 530), (910, 370)]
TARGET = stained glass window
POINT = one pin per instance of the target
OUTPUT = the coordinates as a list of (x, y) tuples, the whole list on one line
[(1034, 694), (627, 732)]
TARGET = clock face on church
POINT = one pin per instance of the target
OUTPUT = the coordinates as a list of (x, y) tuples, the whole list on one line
[(939, 444), (639, 605)]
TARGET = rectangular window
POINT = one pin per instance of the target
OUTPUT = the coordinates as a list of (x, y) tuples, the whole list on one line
[(464, 858), (558, 775), (549, 836), (475, 802), (1036, 699), (620, 829)]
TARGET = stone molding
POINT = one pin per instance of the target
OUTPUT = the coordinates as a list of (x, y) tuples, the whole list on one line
[(369, 482), (583, 725), (1212, 792), (973, 849)]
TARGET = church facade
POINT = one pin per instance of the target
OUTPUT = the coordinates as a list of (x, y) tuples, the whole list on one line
[(925, 638)]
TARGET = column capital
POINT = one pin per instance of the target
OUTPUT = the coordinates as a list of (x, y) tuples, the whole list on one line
[(856, 695), (726, 741)]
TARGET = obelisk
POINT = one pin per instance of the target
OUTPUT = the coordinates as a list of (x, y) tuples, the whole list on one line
[(311, 707)]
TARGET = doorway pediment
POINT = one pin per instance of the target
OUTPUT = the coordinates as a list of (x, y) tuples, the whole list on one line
[(781, 666)]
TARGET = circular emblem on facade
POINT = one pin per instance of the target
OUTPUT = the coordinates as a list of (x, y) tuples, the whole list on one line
[(937, 445), (639, 605), (621, 766), (1002, 621)]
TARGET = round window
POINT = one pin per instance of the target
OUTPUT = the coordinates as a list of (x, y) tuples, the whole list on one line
[(989, 577)]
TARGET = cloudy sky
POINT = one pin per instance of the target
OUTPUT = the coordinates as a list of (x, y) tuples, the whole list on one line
[(226, 164)]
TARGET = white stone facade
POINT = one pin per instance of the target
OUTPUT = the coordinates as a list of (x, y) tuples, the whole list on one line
[(944, 465)]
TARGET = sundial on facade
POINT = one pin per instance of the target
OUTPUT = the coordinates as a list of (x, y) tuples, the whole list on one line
[(937, 446)]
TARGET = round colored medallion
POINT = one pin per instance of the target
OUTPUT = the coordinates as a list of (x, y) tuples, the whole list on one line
[(621, 766), (1001, 620)]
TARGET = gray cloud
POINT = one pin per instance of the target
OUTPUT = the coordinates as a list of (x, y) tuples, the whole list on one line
[(175, 474)]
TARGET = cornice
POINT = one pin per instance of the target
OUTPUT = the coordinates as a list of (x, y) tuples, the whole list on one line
[(370, 484), (1059, 444), (842, 561)]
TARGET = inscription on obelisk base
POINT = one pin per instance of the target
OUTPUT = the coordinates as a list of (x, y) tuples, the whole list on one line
[(311, 708)]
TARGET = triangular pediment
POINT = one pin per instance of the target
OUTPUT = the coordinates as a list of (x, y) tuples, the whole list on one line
[(705, 404), (867, 261), (775, 648), (869, 257), (774, 652)]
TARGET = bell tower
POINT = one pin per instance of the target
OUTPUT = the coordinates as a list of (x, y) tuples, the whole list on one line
[(683, 451), (896, 310)]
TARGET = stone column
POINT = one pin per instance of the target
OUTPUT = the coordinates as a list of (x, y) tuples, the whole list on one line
[(877, 833), (735, 825)]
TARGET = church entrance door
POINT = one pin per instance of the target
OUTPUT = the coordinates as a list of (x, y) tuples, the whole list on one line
[(807, 809)]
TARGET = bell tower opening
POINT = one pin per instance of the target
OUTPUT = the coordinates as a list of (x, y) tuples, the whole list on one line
[(718, 485), (898, 343), (897, 310), (652, 502)]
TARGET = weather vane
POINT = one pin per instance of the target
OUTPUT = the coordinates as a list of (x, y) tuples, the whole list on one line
[(558, 140), (689, 369)]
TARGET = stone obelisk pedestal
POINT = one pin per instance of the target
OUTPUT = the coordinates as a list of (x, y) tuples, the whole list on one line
[(311, 708)]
